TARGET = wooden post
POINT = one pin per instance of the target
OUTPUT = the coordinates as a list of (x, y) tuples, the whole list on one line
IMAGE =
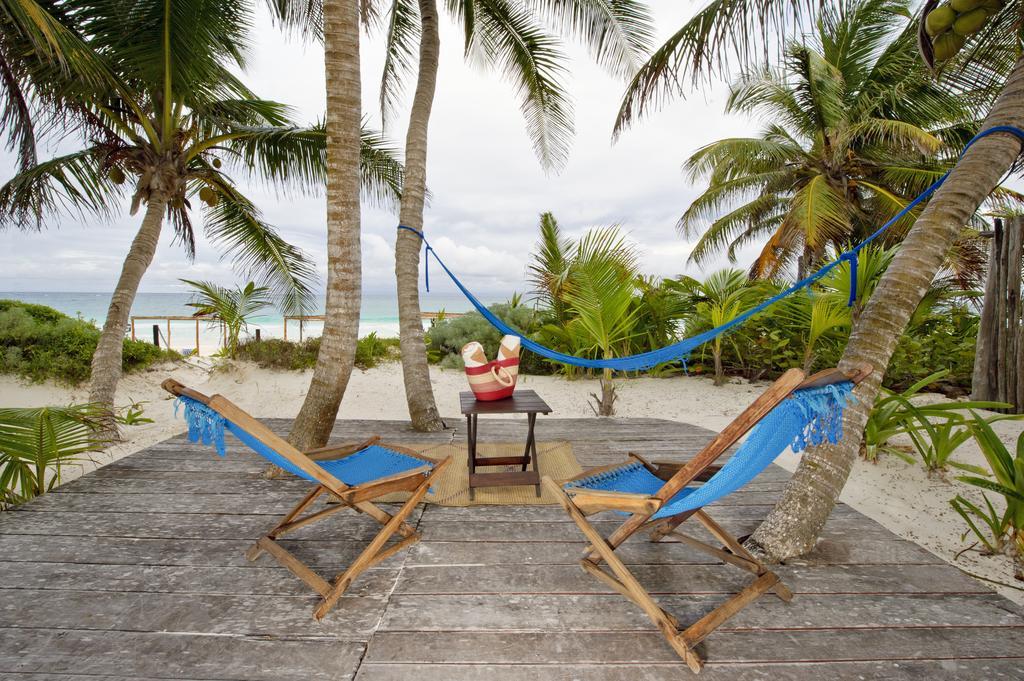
[(197, 336), (133, 328), (258, 339), (156, 335), (286, 327), (301, 321), (168, 339), (999, 353)]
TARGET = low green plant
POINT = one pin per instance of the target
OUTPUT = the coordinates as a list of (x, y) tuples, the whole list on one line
[(132, 415), (39, 343), (448, 336), (371, 350), (936, 439), (988, 524), (275, 353), (894, 414), (1008, 470), (36, 443)]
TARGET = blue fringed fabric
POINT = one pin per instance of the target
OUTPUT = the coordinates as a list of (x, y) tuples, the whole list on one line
[(807, 417), (204, 423), (374, 462)]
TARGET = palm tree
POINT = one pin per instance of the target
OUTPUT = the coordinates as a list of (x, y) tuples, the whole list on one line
[(720, 298), (549, 271), (508, 35), (336, 357), (231, 307), (857, 127), (169, 116), (707, 43), (599, 296)]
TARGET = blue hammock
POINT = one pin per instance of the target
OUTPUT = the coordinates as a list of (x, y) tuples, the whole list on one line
[(682, 349), (807, 417), (206, 425)]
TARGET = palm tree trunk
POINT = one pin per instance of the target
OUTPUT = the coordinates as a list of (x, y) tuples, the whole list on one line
[(418, 392), (716, 353), (106, 360), (793, 526), (336, 358)]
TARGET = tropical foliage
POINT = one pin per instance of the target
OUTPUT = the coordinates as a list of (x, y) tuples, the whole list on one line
[(808, 329), (233, 308), (163, 123), (856, 128), (36, 444), (38, 343), (1005, 529)]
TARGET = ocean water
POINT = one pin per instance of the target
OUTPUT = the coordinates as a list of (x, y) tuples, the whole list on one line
[(379, 314)]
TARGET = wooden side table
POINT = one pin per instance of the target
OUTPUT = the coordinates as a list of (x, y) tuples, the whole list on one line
[(522, 402)]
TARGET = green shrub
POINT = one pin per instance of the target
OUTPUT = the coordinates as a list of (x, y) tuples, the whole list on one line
[(371, 350), (39, 343), (447, 337), (274, 353)]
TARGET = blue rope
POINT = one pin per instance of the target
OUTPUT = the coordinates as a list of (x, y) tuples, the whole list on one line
[(681, 349)]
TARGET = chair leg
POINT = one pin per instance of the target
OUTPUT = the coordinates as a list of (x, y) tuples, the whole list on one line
[(623, 580), (373, 552), (719, 533), (256, 550)]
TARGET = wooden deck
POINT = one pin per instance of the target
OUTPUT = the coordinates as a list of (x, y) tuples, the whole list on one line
[(136, 571)]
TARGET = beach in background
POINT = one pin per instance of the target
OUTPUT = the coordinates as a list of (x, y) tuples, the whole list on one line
[(379, 314)]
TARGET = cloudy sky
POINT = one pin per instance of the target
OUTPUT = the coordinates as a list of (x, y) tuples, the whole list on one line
[(487, 184)]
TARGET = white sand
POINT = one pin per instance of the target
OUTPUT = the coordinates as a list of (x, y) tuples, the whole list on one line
[(897, 495)]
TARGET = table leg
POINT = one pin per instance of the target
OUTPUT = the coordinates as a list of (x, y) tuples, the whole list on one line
[(530, 454), (471, 422)]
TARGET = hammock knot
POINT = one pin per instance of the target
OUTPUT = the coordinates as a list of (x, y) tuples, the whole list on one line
[(427, 250), (851, 257)]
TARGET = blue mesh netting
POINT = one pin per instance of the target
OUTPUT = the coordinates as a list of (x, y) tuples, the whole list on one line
[(807, 417), (207, 425)]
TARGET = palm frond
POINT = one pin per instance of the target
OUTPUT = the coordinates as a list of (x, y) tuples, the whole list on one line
[(618, 33), (236, 226), (401, 42), (73, 183), (510, 37), (36, 443)]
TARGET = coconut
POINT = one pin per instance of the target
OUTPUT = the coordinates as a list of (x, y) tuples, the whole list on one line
[(206, 195), (962, 6), (947, 45), (217, 163), (939, 20), (971, 22), (116, 175)]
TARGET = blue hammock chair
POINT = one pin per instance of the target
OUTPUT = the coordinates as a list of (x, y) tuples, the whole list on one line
[(352, 475), (795, 412)]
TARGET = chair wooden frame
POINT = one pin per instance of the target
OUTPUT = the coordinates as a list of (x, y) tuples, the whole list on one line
[(583, 502), (358, 498)]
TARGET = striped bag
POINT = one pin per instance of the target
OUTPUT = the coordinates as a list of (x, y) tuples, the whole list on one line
[(494, 380)]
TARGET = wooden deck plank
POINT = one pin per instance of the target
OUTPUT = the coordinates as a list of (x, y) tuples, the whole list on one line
[(575, 612), (176, 656), (830, 551), (681, 579), (749, 646), (994, 669), (276, 616)]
